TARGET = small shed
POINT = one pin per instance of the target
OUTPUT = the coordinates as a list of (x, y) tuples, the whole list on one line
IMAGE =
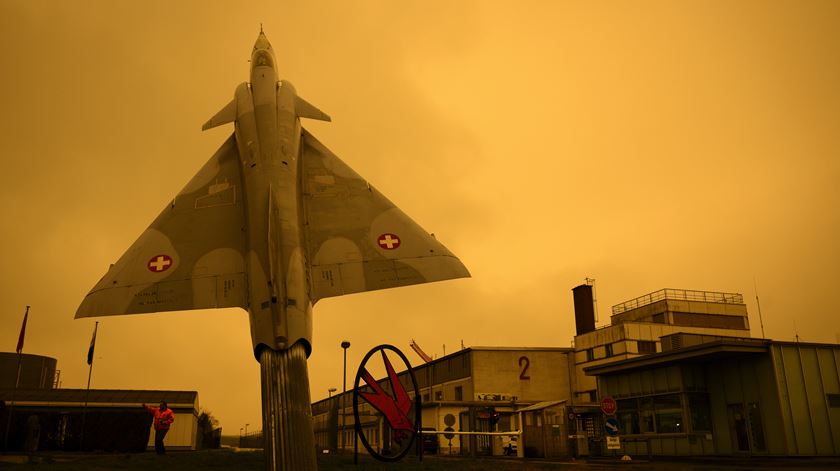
[(544, 430)]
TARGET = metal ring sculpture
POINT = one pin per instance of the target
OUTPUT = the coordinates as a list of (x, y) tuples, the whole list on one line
[(395, 408)]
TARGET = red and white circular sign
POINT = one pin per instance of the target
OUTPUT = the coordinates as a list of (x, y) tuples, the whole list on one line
[(608, 405), (159, 263), (388, 241)]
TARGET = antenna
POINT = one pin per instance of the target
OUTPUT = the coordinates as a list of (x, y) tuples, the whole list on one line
[(760, 320), (795, 331)]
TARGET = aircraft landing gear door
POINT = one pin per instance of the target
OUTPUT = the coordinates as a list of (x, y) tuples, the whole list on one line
[(738, 433)]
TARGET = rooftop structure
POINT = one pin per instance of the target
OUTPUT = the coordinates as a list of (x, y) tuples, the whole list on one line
[(678, 295), (642, 325), (683, 307)]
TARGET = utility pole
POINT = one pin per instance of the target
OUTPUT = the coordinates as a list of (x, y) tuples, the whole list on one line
[(17, 379), (87, 392), (345, 345)]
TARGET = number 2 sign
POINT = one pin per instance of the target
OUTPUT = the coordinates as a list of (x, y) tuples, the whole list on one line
[(524, 363)]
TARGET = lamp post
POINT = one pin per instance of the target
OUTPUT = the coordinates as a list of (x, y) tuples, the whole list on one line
[(345, 345), (330, 391), (240, 437)]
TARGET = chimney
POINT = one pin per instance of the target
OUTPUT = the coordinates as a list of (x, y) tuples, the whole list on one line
[(584, 309)]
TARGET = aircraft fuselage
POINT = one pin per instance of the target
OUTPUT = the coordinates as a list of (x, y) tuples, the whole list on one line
[(267, 134)]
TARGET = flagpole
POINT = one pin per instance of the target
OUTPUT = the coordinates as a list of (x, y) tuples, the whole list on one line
[(17, 380), (87, 392)]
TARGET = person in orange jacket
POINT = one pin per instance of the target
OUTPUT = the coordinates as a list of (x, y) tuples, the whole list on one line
[(163, 419)]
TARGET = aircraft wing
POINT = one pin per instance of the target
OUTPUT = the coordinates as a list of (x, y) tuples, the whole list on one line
[(356, 239), (191, 257)]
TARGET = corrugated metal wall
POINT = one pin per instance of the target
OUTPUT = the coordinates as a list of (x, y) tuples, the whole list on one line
[(742, 382), (807, 375)]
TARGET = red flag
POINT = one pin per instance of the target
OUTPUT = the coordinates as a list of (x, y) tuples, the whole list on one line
[(22, 332)]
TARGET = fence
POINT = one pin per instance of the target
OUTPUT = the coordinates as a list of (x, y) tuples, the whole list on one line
[(251, 440), (678, 295)]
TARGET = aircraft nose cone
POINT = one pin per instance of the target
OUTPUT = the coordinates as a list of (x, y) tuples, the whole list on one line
[(262, 42)]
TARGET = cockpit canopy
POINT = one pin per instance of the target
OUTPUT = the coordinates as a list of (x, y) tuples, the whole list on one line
[(263, 59)]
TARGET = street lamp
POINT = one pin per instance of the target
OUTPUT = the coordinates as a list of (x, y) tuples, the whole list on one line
[(331, 390), (246, 428), (345, 345)]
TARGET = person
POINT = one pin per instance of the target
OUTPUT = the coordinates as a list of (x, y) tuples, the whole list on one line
[(163, 419)]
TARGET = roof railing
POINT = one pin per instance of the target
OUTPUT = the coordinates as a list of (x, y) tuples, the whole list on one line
[(679, 295)]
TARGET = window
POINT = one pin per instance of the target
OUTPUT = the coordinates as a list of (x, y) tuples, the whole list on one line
[(590, 355), (438, 395), (659, 318), (593, 396), (668, 410), (656, 414), (504, 423), (646, 415), (609, 349), (459, 393), (669, 422), (833, 400), (628, 416), (646, 346), (708, 320)]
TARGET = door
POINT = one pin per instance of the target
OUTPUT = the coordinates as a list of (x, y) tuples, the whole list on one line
[(738, 428)]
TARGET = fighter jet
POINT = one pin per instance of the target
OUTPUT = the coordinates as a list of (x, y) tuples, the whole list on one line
[(271, 224)]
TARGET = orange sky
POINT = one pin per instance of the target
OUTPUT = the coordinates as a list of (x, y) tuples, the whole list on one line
[(644, 144)]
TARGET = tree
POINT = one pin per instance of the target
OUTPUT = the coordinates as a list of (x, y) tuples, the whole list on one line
[(209, 432)]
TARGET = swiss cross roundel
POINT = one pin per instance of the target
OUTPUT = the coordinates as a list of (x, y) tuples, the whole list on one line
[(388, 241), (159, 263)]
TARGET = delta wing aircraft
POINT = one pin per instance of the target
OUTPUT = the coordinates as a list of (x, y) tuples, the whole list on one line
[(272, 223)]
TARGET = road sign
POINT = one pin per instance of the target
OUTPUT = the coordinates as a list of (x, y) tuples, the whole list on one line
[(613, 443), (611, 427), (449, 420), (608, 405)]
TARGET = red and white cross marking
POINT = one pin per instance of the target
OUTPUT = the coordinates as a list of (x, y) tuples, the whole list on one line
[(388, 241), (159, 263)]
